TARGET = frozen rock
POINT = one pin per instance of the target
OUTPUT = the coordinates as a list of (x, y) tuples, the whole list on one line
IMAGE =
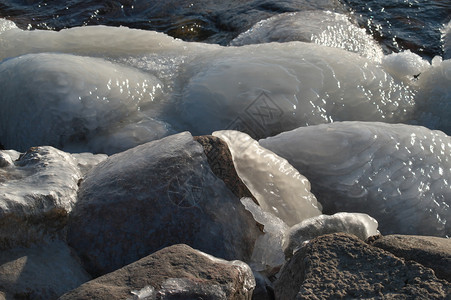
[(37, 191), (41, 272), (77, 103), (431, 252), (86, 161), (155, 195), (321, 27), (398, 174), (340, 266), (360, 225), (175, 272), (278, 187), (406, 66), (268, 253)]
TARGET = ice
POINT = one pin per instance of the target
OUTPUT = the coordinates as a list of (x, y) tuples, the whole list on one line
[(6, 25), (268, 252), (405, 65), (399, 174), (277, 186), (446, 40), (320, 27), (361, 225), (77, 103)]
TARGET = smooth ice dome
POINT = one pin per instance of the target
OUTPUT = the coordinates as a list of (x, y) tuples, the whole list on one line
[(360, 225), (399, 174), (277, 186), (320, 27)]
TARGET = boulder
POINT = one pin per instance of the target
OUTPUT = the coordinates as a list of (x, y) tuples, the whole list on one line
[(43, 271), (432, 252), (37, 190), (152, 196), (342, 266), (175, 272)]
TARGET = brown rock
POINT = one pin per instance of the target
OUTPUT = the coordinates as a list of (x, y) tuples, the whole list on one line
[(178, 271), (342, 266), (432, 252)]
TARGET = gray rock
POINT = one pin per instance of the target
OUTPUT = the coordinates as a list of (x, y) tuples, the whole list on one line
[(342, 266), (432, 252), (37, 190), (175, 272), (40, 272), (152, 196)]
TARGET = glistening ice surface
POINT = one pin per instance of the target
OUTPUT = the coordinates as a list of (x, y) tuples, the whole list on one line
[(399, 174)]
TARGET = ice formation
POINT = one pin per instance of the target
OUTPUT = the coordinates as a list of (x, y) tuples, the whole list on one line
[(399, 174), (268, 252), (446, 40), (360, 225), (406, 66), (277, 186), (320, 27)]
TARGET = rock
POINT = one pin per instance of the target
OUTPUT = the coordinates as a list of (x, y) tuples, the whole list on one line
[(37, 191), (221, 163), (152, 196), (43, 271), (278, 187), (399, 174), (360, 225), (175, 272), (432, 252), (342, 266)]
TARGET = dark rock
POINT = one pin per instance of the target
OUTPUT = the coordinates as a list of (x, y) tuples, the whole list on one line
[(175, 272), (342, 266), (432, 252), (40, 272), (221, 163), (156, 195)]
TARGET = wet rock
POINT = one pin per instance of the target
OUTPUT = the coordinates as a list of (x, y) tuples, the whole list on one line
[(175, 272), (432, 252), (40, 272), (152, 196), (37, 190), (343, 266)]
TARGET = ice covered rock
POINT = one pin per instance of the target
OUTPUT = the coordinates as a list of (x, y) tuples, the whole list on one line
[(77, 103), (155, 195), (360, 225), (37, 191), (40, 272), (278, 187), (338, 266), (398, 174), (321, 27), (6, 25), (175, 272), (405, 65)]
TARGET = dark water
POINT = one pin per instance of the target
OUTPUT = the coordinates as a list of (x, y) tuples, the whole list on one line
[(397, 25)]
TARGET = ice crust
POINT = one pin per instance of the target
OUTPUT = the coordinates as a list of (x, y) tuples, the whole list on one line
[(278, 187), (360, 225), (399, 174), (320, 27)]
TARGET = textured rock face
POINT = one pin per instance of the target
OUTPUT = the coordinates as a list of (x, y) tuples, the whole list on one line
[(399, 174), (432, 252), (41, 272), (342, 266), (155, 195), (360, 225), (37, 190), (175, 272)]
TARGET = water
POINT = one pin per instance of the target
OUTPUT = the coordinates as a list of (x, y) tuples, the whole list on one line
[(397, 25)]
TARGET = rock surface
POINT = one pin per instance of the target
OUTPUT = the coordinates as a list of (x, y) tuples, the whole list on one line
[(43, 271), (432, 252), (152, 196), (37, 191), (175, 272), (342, 266)]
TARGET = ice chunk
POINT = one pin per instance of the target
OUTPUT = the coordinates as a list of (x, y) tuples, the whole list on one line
[(399, 174), (278, 187), (6, 25), (361, 225), (406, 66), (78, 104), (320, 27)]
